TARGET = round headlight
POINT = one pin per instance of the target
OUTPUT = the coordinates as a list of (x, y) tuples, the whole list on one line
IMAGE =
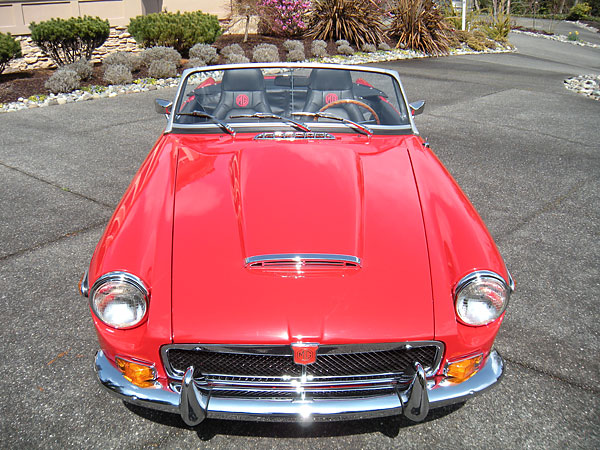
[(119, 299), (481, 297)]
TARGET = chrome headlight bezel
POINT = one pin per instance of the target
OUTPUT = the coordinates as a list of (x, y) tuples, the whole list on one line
[(126, 281), (479, 281)]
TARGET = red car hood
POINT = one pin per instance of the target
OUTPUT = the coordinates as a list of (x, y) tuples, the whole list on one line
[(352, 196)]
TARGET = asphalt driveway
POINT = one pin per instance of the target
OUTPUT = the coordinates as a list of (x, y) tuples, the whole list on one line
[(524, 149)]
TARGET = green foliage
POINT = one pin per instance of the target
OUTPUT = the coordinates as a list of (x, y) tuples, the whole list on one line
[(420, 25), (579, 11), (177, 30), (573, 36), (9, 49), (357, 21), (67, 40), (497, 29)]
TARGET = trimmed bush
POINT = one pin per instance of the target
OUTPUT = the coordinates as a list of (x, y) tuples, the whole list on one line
[(384, 47), (205, 52), (318, 48), (579, 11), (67, 40), (177, 30), (63, 81), (118, 74), (161, 54), (293, 45), (132, 60), (340, 42), (10, 48), (194, 62), (345, 50), (369, 48), (82, 67), (296, 55), (357, 21), (236, 58), (232, 49), (265, 53), (162, 69)]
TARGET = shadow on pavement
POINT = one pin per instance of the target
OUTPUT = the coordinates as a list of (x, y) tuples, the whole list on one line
[(207, 430)]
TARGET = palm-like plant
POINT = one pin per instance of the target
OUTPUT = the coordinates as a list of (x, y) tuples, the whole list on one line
[(419, 25), (357, 21)]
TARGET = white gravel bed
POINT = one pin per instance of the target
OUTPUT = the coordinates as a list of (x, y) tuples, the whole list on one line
[(557, 37), (588, 85), (148, 84)]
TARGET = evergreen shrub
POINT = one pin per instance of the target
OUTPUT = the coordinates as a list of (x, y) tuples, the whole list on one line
[(67, 40), (132, 60), (160, 53), (265, 53), (118, 74), (10, 48), (177, 30), (162, 69), (82, 67), (579, 11), (206, 52)]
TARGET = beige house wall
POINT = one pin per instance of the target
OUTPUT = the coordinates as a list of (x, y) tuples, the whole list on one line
[(16, 15)]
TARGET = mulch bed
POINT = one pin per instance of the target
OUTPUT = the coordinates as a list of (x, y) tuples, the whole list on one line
[(31, 82)]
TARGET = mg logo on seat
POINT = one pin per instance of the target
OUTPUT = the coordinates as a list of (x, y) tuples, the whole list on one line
[(305, 353)]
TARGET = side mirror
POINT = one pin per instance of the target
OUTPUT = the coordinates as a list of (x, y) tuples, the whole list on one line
[(417, 107), (163, 106)]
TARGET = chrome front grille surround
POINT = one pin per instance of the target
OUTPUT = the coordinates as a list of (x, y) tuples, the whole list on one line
[(340, 371)]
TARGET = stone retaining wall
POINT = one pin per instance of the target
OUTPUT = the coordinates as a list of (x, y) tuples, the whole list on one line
[(33, 58)]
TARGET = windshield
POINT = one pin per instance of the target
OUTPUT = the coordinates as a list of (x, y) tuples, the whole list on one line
[(299, 98)]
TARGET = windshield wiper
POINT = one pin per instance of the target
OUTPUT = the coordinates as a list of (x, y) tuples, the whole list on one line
[(323, 115), (223, 125), (260, 115)]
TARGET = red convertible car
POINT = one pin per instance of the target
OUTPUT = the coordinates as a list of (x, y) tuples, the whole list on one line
[(291, 249)]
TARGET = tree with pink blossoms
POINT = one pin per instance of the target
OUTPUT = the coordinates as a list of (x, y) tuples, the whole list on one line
[(283, 17)]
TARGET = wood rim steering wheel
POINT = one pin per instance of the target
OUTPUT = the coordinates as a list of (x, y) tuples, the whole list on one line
[(353, 102)]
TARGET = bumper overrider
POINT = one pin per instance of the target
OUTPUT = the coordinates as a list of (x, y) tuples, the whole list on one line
[(195, 404)]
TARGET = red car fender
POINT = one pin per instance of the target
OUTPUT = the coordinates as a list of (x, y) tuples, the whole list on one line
[(458, 243), (138, 240)]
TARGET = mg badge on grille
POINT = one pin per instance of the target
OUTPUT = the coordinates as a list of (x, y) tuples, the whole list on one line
[(305, 353)]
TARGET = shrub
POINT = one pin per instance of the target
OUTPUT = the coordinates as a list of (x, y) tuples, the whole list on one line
[(82, 67), (194, 62), (342, 42), (9, 49), (345, 50), (419, 25), (132, 60), (384, 47), (63, 81), (296, 55), (579, 11), (205, 52), (357, 21), (282, 17), (318, 48), (161, 54), (498, 28), (265, 53), (453, 40), (177, 30), (67, 40), (368, 48), (117, 74), (475, 44), (293, 45), (236, 58), (162, 69), (232, 49)]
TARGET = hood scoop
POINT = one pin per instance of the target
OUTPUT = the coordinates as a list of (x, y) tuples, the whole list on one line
[(301, 260), (293, 135)]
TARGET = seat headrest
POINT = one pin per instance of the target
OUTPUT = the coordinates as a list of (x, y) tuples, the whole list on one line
[(243, 80), (330, 80)]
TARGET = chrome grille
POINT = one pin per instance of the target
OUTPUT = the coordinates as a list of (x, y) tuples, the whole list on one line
[(259, 367)]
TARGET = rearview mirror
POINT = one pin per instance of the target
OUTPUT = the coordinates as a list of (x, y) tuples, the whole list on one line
[(163, 106), (417, 107)]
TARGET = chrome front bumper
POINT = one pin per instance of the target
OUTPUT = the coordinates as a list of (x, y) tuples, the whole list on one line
[(195, 405)]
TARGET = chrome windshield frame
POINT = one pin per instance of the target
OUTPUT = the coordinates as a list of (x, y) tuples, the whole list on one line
[(242, 127)]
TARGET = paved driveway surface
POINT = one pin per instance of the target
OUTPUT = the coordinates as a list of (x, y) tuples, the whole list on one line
[(524, 149)]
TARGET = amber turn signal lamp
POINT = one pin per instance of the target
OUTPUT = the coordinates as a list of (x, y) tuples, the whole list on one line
[(463, 369), (139, 374)]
